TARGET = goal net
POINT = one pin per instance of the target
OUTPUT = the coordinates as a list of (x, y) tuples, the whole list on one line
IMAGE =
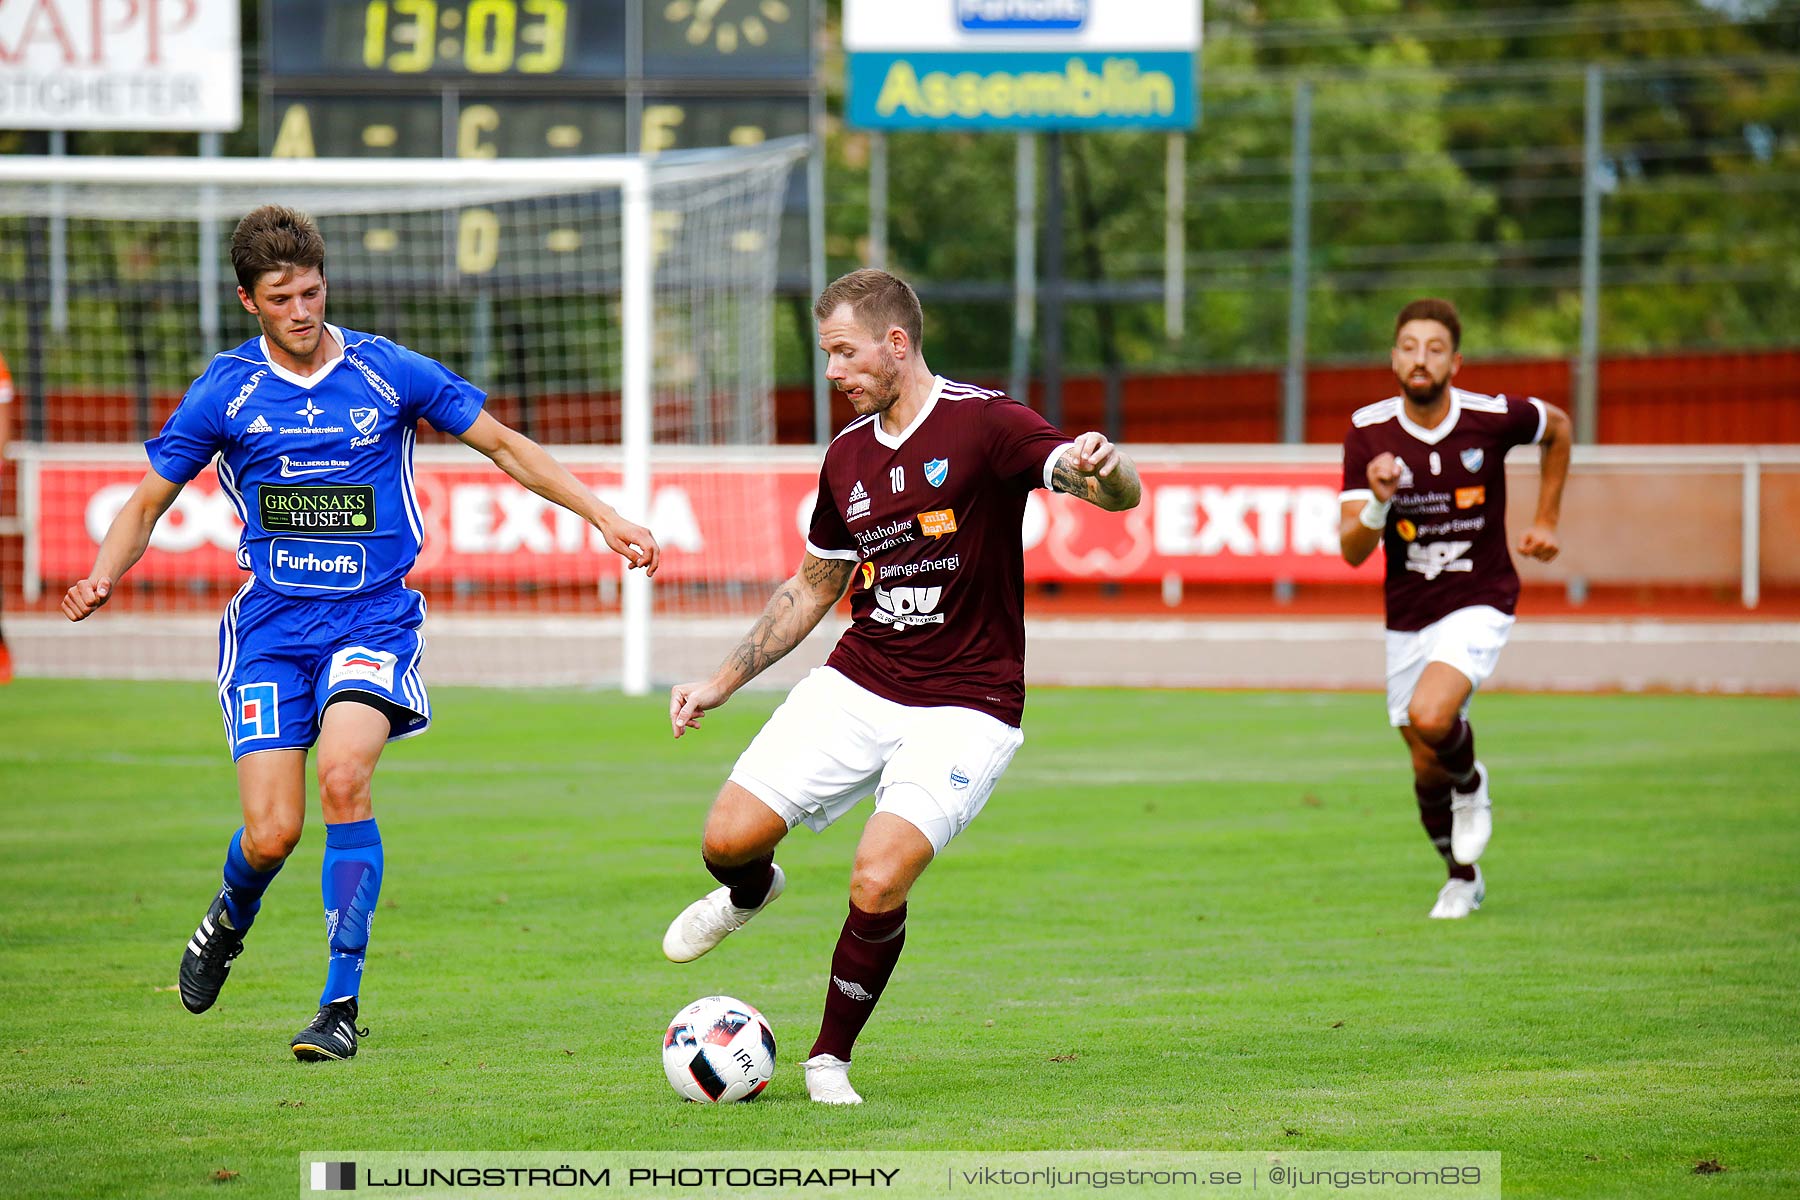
[(617, 310)]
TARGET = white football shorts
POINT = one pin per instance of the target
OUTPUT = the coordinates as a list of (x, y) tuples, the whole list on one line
[(1469, 639), (833, 742)]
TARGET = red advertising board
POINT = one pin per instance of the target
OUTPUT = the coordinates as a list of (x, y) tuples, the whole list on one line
[(734, 519)]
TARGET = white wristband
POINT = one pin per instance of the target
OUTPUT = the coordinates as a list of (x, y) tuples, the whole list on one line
[(1374, 515)]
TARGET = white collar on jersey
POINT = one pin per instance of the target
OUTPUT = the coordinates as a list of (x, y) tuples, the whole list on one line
[(893, 441), (1441, 430), (306, 381)]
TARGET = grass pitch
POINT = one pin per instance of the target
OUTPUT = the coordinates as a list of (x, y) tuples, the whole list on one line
[(1184, 921)]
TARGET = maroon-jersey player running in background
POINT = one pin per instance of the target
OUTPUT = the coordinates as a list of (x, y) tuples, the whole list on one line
[(920, 503), (1425, 477)]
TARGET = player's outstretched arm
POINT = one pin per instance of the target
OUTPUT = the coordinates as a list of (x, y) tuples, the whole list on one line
[(125, 542), (1095, 470), (794, 611), (1540, 541), (534, 468)]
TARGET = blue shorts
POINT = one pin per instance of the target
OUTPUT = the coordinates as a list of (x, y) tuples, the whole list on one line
[(282, 659)]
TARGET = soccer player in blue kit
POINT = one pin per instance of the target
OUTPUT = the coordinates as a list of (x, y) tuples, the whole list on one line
[(313, 427)]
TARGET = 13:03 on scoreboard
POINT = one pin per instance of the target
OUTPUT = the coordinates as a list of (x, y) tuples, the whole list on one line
[(540, 39)]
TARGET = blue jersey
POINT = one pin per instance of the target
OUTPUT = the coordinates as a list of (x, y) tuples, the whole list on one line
[(320, 466)]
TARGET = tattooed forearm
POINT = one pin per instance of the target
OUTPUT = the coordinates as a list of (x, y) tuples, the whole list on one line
[(1066, 479), (1116, 491), (793, 611), (771, 637)]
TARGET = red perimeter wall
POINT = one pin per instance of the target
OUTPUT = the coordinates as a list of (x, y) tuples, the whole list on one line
[(1669, 399)]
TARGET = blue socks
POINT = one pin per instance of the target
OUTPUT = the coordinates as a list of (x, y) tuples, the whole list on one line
[(351, 883), (244, 884)]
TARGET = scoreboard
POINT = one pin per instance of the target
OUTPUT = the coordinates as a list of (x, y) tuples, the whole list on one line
[(540, 78)]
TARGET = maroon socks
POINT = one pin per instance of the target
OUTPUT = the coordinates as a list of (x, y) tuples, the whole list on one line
[(1434, 815), (867, 950), (1457, 752)]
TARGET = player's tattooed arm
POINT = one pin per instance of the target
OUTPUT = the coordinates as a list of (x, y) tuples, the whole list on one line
[(1091, 468), (795, 609)]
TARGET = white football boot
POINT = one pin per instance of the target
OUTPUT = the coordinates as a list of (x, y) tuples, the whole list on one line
[(1459, 897), (828, 1080), (711, 919), (1471, 820)]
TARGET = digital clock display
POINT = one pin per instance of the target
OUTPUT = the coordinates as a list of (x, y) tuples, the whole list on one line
[(519, 39)]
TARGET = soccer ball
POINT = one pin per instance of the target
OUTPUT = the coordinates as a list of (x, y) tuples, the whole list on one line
[(719, 1050)]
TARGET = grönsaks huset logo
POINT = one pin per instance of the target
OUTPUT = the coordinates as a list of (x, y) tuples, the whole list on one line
[(1018, 16), (334, 1177), (299, 508)]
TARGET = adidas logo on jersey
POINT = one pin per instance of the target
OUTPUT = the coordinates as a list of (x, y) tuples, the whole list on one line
[(859, 502), (260, 425)]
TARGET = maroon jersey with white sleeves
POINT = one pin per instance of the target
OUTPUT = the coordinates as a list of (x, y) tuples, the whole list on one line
[(1446, 532), (931, 516)]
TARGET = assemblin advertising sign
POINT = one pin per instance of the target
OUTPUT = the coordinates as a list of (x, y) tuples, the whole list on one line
[(1023, 64), (120, 64)]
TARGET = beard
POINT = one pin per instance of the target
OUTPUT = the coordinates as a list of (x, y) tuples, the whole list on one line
[(882, 390), (291, 345), (1424, 394)]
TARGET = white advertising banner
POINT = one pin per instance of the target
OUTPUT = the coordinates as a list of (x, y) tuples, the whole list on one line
[(1022, 64), (1032, 25), (120, 64)]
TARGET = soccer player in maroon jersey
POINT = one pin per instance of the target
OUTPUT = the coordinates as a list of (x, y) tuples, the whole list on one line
[(1425, 477), (919, 509)]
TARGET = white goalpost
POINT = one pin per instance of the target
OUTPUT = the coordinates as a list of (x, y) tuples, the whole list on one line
[(618, 309)]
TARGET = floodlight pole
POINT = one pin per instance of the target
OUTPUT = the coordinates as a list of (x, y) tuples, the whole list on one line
[(1293, 400), (1024, 266), (878, 200), (1174, 236), (1053, 278), (1587, 367)]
